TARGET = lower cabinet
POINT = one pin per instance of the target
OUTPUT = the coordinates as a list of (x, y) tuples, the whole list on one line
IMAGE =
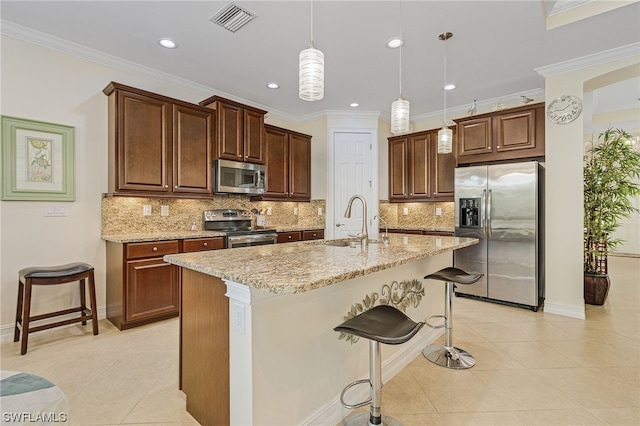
[(291, 236), (141, 286)]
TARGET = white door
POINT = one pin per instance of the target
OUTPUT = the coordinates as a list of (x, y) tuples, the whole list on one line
[(352, 176)]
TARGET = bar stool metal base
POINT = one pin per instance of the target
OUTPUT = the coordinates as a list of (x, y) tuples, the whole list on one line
[(449, 357), (360, 419)]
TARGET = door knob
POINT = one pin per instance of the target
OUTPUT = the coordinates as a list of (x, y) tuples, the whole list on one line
[(338, 225)]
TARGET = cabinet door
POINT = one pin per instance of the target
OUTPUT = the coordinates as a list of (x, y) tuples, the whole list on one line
[(277, 162), (143, 143), (202, 244), (151, 289), (192, 150), (253, 137), (419, 167), (398, 188), (475, 137), (230, 142), (300, 167), (442, 170), (289, 237), (314, 234), (515, 131)]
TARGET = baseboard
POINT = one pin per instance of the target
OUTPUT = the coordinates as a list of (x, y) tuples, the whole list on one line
[(563, 309), (333, 411), (6, 331)]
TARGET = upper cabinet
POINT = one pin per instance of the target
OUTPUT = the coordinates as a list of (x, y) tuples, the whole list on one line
[(417, 172), (288, 161), (240, 130), (504, 135), (158, 145)]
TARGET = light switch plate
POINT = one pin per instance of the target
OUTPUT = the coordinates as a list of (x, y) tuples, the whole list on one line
[(295, 211), (146, 210), (319, 211), (438, 211), (164, 210), (55, 211), (268, 211), (405, 211)]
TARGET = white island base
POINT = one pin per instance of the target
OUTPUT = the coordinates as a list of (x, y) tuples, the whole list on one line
[(253, 357)]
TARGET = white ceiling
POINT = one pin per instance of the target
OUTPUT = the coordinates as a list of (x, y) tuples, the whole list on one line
[(497, 46)]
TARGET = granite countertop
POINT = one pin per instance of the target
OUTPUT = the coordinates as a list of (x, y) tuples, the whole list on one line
[(304, 266), (416, 228), (184, 235)]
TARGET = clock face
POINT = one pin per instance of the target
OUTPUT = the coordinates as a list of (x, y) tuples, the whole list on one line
[(564, 109)]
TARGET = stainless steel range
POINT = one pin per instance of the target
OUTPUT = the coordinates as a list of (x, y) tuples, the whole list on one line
[(236, 224)]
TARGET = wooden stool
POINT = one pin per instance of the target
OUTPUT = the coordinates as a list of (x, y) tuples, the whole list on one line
[(53, 275)]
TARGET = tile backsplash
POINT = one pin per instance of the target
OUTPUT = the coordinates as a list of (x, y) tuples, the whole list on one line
[(122, 215), (419, 215)]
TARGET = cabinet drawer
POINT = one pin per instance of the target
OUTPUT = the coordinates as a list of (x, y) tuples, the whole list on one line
[(289, 237), (200, 244), (155, 249), (316, 234)]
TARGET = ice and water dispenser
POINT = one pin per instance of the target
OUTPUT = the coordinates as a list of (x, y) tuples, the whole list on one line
[(469, 212)]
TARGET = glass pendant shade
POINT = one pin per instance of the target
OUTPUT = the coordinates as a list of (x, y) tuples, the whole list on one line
[(445, 140), (400, 116), (311, 74)]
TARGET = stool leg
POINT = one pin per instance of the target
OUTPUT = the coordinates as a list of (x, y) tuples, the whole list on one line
[(449, 356), (92, 300), (375, 377), (25, 315), (16, 331), (83, 299)]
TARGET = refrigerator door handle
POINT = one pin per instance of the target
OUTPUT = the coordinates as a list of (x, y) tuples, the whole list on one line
[(489, 214), (484, 213)]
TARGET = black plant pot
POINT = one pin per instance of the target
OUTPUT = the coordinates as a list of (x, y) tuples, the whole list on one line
[(596, 288)]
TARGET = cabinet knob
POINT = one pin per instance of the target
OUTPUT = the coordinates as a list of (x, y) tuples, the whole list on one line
[(166, 186), (155, 249), (489, 148), (246, 156), (314, 235), (289, 236), (205, 244), (239, 156), (498, 147)]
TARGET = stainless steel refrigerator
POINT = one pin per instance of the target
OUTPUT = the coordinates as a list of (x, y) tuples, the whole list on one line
[(502, 206)]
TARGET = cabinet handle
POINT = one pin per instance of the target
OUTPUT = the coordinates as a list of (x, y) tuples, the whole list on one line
[(205, 244), (155, 249)]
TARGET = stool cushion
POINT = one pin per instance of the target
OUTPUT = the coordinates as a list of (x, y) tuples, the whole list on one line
[(454, 275), (382, 323), (54, 271)]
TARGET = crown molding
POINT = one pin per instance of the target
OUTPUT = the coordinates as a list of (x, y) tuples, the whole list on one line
[(614, 54)]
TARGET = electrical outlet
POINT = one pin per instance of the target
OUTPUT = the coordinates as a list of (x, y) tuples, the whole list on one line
[(164, 210), (268, 211), (405, 211), (319, 211), (146, 210), (438, 211), (237, 317), (295, 211)]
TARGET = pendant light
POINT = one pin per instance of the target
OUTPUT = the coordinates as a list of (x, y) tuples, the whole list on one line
[(400, 107), (311, 71), (445, 135)]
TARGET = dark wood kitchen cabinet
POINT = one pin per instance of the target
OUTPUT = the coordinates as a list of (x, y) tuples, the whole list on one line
[(288, 161), (141, 287), (306, 235), (505, 135), (158, 146), (240, 127), (417, 172)]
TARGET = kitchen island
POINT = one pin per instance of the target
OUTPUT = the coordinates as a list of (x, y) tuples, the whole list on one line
[(256, 336)]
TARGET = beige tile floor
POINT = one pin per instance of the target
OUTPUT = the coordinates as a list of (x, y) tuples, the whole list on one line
[(532, 368)]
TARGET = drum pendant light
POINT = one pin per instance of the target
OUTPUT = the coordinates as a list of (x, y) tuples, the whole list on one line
[(311, 71), (445, 135), (400, 107)]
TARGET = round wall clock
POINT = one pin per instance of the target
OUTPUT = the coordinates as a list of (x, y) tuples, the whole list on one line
[(564, 109)]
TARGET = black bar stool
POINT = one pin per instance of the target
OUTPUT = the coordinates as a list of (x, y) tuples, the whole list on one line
[(447, 355), (53, 275), (380, 324)]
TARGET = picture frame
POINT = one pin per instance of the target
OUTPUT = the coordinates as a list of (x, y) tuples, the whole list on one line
[(38, 160)]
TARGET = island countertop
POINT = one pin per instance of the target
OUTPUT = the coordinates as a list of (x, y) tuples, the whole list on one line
[(304, 266)]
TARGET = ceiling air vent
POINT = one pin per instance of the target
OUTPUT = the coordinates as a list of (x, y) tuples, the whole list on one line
[(232, 17)]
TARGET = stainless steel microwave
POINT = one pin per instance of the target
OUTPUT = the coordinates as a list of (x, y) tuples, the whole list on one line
[(238, 178)]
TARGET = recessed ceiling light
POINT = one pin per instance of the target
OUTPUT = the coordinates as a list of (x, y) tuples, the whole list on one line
[(273, 85), (449, 87), (354, 105), (168, 43), (394, 43)]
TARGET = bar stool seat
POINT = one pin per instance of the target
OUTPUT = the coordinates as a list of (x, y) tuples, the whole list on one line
[(380, 324), (53, 275), (447, 355)]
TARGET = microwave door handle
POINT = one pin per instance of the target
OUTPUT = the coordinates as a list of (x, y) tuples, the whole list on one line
[(256, 178)]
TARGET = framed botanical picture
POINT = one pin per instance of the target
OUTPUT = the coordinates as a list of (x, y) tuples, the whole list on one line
[(38, 160)]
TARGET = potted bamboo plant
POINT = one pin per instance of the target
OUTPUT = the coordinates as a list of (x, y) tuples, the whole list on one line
[(611, 177)]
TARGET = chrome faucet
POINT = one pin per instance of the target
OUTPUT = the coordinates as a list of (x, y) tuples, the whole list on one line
[(363, 236), (385, 236)]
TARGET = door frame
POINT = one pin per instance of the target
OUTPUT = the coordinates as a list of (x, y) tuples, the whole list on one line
[(347, 122)]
